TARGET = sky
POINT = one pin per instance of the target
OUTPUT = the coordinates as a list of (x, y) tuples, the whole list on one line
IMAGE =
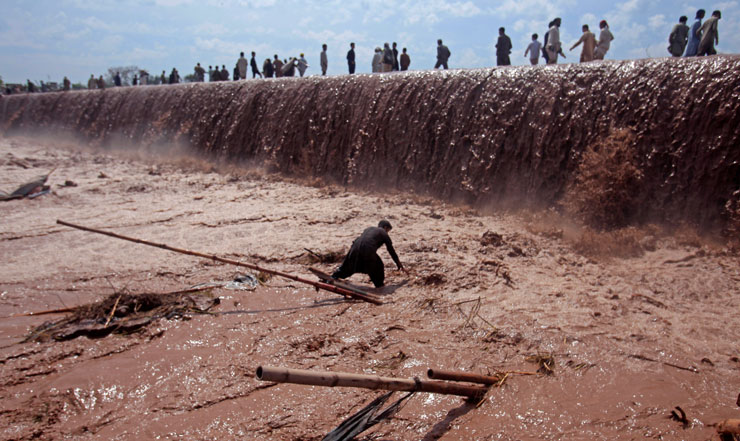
[(46, 40)]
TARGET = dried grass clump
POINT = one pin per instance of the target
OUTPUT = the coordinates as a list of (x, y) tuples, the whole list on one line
[(603, 193)]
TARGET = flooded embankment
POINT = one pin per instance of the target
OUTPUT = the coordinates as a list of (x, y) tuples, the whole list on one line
[(487, 137), (627, 337)]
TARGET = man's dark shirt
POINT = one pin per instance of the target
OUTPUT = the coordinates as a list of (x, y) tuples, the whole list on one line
[(503, 46), (370, 240)]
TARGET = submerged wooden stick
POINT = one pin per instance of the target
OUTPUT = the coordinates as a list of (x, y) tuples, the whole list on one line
[(729, 427), (342, 379), (462, 376), (318, 285)]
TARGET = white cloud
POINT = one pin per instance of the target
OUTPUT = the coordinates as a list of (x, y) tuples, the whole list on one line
[(469, 58), (628, 6), (107, 44), (657, 21)]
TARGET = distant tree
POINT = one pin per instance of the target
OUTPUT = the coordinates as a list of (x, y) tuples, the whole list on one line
[(79, 86), (190, 78), (127, 74)]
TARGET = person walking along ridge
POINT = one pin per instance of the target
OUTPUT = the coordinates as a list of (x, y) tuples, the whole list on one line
[(589, 44), (405, 60), (443, 55), (503, 48), (241, 64), (694, 36), (533, 50), (351, 58), (679, 37), (709, 35), (324, 60), (605, 39), (553, 42), (255, 68)]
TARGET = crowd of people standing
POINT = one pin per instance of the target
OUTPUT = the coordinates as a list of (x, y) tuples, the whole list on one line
[(698, 40)]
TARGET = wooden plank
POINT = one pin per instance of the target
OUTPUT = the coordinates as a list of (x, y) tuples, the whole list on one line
[(344, 285)]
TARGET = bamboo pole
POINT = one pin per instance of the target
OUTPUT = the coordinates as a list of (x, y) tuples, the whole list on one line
[(729, 427), (317, 285), (463, 376), (341, 379)]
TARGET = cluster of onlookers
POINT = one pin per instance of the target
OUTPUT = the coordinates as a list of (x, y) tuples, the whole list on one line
[(552, 48), (697, 40), (384, 60)]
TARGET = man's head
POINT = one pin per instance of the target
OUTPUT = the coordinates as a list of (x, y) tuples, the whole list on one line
[(700, 13), (717, 14), (501, 31), (439, 42), (241, 54), (323, 46), (683, 19), (352, 45), (603, 24), (557, 22), (404, 50), (585, 28), (254, 53), (276, 57), (384, 224), (395, 45), (535, 36)]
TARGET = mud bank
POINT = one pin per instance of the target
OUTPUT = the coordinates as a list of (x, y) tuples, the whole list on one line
[(486, 137)]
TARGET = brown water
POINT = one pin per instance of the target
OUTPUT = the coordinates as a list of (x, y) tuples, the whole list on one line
[(602, 319), (491, 137)]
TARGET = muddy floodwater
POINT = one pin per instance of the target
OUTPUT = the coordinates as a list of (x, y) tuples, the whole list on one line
[(631, 336)]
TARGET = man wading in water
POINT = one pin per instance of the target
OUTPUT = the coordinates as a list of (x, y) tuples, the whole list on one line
[(363, 257)]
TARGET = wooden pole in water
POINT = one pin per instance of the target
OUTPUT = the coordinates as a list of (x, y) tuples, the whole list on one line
[(729, 427), (463, 376), (318, 285), (341, 379)]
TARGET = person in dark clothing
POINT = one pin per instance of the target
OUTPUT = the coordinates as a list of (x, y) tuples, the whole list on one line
[(117, 79), (288, 69), (351, 58), (224, 73), (236, 72), (395, 56), (545, 55), (174, 76), (277, 66), (405, 60), (443, 55), (267, 68), (255, 68), (503, 48), (363, 257)]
